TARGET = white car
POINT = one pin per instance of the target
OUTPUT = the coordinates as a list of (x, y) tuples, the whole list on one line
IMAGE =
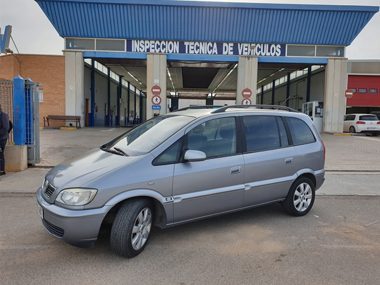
[(361, 123)]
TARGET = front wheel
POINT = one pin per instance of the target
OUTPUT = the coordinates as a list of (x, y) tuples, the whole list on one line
[(131, 228), (300, 198)]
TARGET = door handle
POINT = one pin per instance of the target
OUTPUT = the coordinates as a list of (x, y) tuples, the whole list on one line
[(288, 160), (235, 169)]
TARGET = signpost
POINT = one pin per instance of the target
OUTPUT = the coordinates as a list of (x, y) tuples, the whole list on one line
[(156, 90), (156, 100), (246, 102), (349, 93), (246, 93)]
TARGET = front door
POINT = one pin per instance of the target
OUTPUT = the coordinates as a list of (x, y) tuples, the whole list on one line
[(214, 185)]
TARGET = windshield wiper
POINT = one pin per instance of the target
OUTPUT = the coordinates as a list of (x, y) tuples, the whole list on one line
[(120, 151)]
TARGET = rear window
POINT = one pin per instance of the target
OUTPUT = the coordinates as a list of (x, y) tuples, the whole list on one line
[(300, 131), (368, 118)]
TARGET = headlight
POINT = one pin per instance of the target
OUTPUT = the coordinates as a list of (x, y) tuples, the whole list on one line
[(76, 196)]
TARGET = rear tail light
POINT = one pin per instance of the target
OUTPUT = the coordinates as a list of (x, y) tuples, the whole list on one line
[(360, 123), (378, 123)]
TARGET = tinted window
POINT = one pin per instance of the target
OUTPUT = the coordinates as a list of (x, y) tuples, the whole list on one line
[(362, 90), (368, 118), (262, 133), (349, 118), (215, 137), (170, 155), (372, 90), (300, 131)]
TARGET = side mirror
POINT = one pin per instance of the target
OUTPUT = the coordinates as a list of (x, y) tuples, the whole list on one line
[(194, 155)]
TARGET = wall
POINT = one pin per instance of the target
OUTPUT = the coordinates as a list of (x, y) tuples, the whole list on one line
[(49, 70)]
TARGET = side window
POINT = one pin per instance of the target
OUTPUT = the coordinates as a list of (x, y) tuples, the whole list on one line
[(262, 133), (300, 131), (349, 118), (170, 155), (215, 137)]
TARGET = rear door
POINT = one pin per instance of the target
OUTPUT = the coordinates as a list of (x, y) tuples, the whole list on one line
[(269, 159), (214, 185)]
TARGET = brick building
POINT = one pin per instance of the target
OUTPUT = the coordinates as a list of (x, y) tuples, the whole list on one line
[(49, 70)]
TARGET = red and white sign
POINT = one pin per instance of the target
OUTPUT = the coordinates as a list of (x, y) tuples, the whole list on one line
[(349, 93), (156, 90), (246, 93), (246, 102), (156, 100)]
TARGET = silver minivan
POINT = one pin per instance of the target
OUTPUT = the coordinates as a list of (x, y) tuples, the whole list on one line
[(181, 167)]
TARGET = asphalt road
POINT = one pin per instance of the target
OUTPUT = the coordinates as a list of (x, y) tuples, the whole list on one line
[(338, 242)]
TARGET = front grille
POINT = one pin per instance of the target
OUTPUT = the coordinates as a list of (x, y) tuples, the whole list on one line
[(49, 190), (54, 230)]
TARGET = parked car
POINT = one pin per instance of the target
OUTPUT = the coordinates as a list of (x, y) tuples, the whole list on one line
[(362, 123), (377, 113), (181, 167)]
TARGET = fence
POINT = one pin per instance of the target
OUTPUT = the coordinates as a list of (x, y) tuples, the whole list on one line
[(6, 101)]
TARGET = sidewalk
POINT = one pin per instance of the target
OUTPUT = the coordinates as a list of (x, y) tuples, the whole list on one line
[(352, 162)]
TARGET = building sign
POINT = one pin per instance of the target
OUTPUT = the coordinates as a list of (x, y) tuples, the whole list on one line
[(4, 39), (209, 48)]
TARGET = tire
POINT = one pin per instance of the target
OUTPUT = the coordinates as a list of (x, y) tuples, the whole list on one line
[(131, 228), (300, 197), (375, 134), (352, 129)]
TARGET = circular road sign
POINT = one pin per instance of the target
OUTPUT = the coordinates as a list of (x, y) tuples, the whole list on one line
[(156, 100), (156, 90), (349, 93), (246, 102), (246, 93)]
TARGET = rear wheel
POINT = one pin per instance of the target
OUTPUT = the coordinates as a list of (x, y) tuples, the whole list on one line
[(131, 228), (352, 129), (300, 198), (375, 134)]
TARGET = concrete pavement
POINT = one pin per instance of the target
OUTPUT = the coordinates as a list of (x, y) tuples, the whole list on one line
[(352, 162)]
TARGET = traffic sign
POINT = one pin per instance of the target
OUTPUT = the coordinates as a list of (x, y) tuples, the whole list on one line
[(246, 102), (246, 93), (156, 90), (349, 93), (156, 107), (156, 100)]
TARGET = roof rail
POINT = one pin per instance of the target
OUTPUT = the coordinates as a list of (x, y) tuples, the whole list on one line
[(199, 107), (276, 107)]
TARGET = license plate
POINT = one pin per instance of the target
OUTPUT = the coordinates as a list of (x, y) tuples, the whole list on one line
[(371, 128), (40, 211)]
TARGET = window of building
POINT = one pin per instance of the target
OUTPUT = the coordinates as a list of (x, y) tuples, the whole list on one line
[(330, 51), (362, 90), (115, 45), (82, 44), (295, 50), (372, 90)]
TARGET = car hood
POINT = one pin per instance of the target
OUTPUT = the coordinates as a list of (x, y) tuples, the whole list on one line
[(83, 169)]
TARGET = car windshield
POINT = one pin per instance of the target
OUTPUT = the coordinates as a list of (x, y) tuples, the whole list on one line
[(368, 118), (148, 136)]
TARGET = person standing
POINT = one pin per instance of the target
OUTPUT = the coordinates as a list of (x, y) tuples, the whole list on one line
[(4, 127)]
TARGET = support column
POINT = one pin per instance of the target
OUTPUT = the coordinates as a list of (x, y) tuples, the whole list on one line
[(156, 75), (247, 78), (74, 84), (334, 99)]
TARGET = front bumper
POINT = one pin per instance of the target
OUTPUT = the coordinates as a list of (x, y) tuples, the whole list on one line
[(76, 227)]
